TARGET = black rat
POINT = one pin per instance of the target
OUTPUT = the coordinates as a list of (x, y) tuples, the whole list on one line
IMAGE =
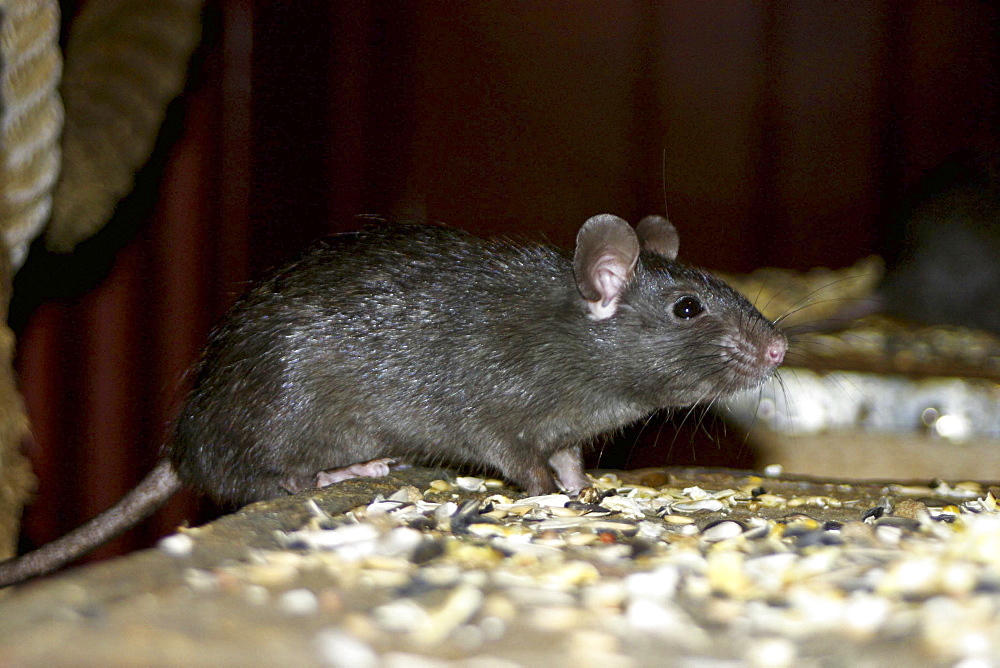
[(943, 257), (948, 269), (426, 344)]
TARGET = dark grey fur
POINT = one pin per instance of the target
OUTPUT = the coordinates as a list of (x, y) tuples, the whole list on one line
[(428, 344)]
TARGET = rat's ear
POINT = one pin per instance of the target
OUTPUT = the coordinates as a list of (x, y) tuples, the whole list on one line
[(658, 235), (606, 252)]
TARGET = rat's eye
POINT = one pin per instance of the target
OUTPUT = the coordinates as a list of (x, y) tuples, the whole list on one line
[(688, 307)]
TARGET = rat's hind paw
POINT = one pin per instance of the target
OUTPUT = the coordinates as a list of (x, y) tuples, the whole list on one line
[(376, 468)]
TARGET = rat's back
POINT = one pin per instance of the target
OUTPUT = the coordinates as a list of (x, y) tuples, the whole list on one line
[(391, 340)]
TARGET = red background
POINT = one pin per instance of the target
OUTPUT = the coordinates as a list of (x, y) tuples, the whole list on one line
[(776, 133)]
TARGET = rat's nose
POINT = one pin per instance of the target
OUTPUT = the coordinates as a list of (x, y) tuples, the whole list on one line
[(775, 352)]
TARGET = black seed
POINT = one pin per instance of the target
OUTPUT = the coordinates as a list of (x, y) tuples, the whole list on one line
[(798, 530), (589, 508), (421, 523), (757, 533), (810, 538), (427, 550), (875, 513), (468, 513)]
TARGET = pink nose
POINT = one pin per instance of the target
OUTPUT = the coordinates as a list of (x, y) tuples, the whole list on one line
[(776, 351)]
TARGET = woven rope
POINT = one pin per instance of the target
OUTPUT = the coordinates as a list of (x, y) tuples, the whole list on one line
[(125, 61), (17, 483), (31, 118)]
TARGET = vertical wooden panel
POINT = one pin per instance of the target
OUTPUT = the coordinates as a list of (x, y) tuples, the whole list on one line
[(108, 405), (231, 250), (522, 114), (350, 104), (826, 130), (711, 80), (180, 304), (291, 53), (949, 80)]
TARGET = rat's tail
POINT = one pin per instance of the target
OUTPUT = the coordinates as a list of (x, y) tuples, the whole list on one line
[(151, 493)]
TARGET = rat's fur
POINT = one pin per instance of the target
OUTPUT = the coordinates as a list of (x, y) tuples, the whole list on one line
[(429, 345)]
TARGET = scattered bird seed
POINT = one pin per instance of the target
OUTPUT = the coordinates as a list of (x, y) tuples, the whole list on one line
[(638, 569), (177, 545), (299, 602), (721, 530), (339, 649)]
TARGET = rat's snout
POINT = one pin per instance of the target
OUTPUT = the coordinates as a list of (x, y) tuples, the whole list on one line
[(776, 349)]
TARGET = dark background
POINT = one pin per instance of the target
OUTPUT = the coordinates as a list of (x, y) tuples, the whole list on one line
[(778, 134)]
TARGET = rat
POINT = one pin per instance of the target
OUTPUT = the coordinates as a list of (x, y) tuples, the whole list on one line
[(947, 271), (943, 258), (426, 344)]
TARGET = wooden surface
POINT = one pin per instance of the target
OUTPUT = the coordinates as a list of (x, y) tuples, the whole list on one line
[(151, 608)]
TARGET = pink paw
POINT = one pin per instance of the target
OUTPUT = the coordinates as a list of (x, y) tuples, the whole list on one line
[(375, 468)]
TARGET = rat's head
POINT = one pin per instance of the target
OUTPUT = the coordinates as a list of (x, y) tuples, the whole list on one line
[(678, 335)]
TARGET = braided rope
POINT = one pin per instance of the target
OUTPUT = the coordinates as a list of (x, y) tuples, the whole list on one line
[(125, 61), (31, 118)]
